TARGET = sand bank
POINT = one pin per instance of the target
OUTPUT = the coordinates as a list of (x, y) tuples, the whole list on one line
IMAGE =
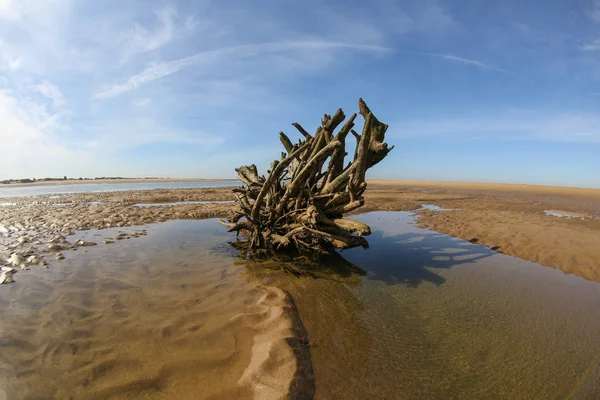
[(163, 316), (513, 219)]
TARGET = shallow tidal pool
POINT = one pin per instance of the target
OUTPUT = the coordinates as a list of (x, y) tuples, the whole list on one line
[(436, 317), (419, 315)]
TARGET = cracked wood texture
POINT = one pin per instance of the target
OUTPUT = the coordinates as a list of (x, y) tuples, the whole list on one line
[(301, 202)]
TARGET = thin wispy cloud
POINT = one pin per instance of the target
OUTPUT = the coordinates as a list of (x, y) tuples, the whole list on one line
[(594, 10), (466, 61), (51, 92), (158, 71), (591, 46), (141, 102), (171, 26)]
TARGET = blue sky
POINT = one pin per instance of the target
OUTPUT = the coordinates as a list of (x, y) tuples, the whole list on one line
[(472, 90)]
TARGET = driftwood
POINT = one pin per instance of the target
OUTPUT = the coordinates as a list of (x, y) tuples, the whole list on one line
[(301, 203)]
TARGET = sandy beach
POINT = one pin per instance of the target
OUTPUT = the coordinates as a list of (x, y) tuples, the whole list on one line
[(557, 227), (553, 226)]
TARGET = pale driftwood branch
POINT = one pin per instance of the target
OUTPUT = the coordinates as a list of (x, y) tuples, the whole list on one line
[(301, 203)]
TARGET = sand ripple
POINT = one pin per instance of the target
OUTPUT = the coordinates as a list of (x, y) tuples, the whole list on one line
[(149, 322)]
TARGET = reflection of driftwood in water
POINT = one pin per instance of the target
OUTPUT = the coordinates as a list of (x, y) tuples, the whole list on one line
[(328, 266), (302, 201)]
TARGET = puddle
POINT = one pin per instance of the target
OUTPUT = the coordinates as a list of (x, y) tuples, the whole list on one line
[(181, 203), (437, 317), (417, 315), (436, 208), (565, 214)]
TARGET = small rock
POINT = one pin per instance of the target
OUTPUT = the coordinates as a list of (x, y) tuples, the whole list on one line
[(58, 239), (33, 259), (15, 260), (6, 277), (85, 244), (59, 256), (55, 247), (108, 242)]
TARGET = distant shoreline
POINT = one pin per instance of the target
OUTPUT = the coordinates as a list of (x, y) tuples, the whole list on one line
[(101, 181), (570, 191)]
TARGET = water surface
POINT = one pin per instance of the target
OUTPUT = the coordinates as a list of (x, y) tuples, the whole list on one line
[(420, 315), (435, 317), (34, 190), (162, 316)]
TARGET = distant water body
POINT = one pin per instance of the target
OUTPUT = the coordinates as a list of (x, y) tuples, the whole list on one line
[(109, 187)]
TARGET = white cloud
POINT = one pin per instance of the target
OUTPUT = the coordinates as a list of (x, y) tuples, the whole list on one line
[(27, 135), (17, 9), (7, 60), (141, 102), (594, 10), (462, 60), (591, 46), (161, 70), (141, 131), (51, 92), (170, 26)]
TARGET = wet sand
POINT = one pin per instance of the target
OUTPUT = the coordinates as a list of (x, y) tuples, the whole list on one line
[(513, 222), (164, 316), (512, 219), (518, 220)]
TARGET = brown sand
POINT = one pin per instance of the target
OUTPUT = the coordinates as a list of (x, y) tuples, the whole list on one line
[(151, 319), (509, 218)]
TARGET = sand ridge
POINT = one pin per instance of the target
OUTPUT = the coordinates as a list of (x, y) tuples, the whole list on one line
[(149, 319)]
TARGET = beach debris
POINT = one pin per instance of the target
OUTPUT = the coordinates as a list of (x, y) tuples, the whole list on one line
[(302, 201), (16, 260), (85, 244), (55, 247), (6, 275), (34, 259), (58, 239)]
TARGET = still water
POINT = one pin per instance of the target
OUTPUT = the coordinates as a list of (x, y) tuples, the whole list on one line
[(435, 317), (35, 190), (419, 315)]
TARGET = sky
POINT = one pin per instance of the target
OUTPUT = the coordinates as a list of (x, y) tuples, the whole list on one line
[(503, 91)]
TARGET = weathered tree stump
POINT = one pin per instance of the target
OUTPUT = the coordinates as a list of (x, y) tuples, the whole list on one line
[(302, 201)]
